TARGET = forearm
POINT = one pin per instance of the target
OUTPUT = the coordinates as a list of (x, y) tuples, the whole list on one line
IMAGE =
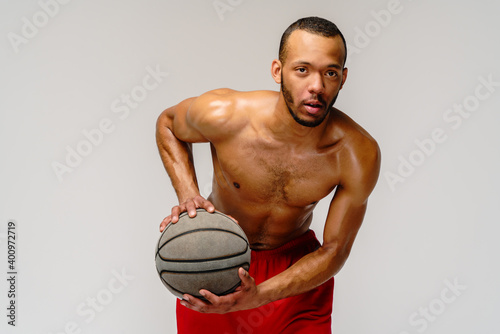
[(177, 158), (309, 272), (343, 222)]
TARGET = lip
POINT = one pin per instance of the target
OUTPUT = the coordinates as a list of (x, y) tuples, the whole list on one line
[(308, 105)]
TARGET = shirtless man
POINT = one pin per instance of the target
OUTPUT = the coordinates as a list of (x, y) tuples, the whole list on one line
[(275, 155)]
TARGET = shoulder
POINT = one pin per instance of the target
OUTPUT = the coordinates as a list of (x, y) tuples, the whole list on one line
[(359, 141), (213, 105), (224, 109), (229, 100), (360, 155)]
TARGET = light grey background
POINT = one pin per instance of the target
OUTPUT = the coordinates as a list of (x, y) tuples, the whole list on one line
[(411, 62)]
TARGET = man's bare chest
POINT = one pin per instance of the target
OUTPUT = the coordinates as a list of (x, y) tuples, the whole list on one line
[(275, 174)]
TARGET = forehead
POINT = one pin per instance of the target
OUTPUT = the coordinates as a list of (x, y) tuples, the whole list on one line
[(306, 46)]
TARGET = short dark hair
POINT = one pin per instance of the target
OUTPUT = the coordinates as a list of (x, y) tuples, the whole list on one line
[(315, 25)]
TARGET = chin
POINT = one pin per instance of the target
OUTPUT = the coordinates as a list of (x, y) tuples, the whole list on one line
[(308, 123)]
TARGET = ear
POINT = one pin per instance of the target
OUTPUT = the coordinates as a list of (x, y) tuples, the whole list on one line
[(276, 67), (344, 77)]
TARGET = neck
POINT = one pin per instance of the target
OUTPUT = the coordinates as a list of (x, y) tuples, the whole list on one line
[(284, 128)]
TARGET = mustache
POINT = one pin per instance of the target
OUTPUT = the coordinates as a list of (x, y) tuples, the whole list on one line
[(320, 99)]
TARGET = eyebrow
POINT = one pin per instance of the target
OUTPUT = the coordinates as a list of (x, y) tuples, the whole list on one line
[(302, 62)]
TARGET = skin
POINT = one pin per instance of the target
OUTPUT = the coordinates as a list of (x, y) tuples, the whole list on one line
[(270, 171)]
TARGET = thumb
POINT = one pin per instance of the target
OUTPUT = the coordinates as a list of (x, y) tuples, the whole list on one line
[(244, 276)]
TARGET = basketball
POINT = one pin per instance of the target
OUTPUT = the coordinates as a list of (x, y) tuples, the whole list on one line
[(203, 252)]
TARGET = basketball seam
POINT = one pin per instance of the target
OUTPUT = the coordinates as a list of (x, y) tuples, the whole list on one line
[(166, 275), (201, 230), (200, 296), (203, 271), (203, 260)]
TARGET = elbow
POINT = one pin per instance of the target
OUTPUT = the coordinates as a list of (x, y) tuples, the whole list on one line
[(162, 119), (337, 254), (160, 127), (163, 123)]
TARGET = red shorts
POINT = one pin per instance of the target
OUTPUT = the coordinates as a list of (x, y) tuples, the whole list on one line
[(309, 312)]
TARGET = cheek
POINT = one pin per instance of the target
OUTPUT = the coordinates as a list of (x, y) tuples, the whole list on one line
[(334, 87), (293, 88), (298, 90)]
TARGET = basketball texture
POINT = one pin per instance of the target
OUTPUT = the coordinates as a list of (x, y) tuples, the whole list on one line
[(203, 252)]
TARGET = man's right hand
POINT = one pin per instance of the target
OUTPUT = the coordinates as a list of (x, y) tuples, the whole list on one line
[(189, 206)]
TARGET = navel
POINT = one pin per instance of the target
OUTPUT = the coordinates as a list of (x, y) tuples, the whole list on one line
[(237, 185)]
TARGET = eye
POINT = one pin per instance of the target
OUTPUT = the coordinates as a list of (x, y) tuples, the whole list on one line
[(331, 74), (301, 69)]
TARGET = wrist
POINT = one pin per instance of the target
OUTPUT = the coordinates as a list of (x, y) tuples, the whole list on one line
[(264, 294)]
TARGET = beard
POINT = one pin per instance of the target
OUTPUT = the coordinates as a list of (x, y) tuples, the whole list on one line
[(289, 103)]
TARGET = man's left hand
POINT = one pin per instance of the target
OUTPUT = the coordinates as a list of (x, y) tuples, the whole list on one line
[(245, 297)]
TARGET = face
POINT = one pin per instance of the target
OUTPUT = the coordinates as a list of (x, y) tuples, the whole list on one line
[(311, 76)]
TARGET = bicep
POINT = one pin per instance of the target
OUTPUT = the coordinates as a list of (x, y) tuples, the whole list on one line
[(202, 118), (177, 120)]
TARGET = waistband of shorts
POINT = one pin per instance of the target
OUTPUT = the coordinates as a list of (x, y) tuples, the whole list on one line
[(305, 239)]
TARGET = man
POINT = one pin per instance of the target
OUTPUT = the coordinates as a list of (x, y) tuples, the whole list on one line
[(275, 155)]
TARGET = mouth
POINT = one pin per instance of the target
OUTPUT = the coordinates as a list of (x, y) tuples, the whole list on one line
[(313, 107)]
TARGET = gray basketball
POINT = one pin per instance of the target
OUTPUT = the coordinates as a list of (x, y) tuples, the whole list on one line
[(203, 252)]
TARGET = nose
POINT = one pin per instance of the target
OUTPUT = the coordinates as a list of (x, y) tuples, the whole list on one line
[(316, 85)]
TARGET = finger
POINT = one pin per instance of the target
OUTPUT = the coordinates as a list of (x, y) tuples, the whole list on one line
[(245, 277), (232, 218), (212, 298), (205, 204), (164, 223), (191, 208), (186, 301), (176, 211), (194, 303), (186, 304)]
